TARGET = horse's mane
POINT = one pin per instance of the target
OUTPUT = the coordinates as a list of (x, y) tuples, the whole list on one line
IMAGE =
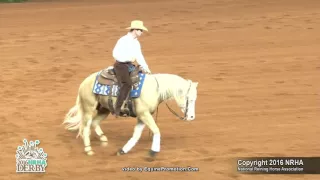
[(171, 86)]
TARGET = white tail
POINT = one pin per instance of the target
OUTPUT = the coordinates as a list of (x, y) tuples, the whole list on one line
[(73, 119)]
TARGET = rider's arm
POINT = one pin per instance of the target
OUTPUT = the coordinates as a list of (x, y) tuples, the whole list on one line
[(140, 58)]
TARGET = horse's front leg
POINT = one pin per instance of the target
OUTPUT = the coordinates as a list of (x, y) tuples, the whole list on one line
[(134, 139), (147, 119)]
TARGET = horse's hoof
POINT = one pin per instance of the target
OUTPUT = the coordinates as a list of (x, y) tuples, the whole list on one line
[(104, 144), (120, 152), (90, 153), (103, 138), (152, 153), (152, 156)]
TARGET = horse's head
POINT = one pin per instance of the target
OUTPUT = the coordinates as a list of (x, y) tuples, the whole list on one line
[(187, 100)]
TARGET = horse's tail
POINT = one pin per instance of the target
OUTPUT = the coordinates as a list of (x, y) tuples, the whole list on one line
[(73, 119)]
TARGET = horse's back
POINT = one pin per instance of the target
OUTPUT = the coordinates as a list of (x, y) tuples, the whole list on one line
[(86, 85), (90, 78)]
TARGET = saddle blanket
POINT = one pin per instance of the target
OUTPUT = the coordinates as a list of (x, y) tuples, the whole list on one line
[(102, 89)]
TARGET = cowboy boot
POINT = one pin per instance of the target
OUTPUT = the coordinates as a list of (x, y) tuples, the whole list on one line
[(125, 110), (123, 95)]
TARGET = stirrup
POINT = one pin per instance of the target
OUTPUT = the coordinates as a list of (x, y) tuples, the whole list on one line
[(126, 112)]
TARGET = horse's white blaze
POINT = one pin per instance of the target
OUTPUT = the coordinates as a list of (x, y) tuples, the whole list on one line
[(191, 110), (192, 97)]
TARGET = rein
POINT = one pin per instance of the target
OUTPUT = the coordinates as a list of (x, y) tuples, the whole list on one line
[(176, 114), (171, 110), (185, 113)]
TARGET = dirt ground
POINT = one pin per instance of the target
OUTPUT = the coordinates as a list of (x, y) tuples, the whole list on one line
[(257, 63)]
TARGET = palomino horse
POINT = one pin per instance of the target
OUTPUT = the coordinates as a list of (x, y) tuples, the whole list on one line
[(156, 89)]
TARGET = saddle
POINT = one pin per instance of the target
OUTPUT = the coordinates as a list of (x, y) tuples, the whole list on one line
[(108, 77)]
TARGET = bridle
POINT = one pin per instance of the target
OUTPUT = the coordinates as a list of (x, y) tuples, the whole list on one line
[(171, 110), (186, 108), (174, 113)]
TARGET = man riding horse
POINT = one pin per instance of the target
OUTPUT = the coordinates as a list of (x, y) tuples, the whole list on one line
[(125, 52)]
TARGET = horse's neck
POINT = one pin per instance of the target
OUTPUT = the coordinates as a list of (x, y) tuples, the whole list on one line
[(170, 86)]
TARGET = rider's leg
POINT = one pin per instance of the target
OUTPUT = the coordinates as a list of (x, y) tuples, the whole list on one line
[(125, 84)]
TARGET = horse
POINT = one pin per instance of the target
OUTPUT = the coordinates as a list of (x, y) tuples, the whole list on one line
[(156, 89)]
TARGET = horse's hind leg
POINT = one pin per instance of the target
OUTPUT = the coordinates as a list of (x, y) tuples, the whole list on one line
[(134, 139), (96, 125), (86, 133), (88, 111)]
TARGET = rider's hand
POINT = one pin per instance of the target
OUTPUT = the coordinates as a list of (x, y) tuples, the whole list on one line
[(147, 71)]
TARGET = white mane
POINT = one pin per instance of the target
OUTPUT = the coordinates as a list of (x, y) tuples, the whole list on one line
[(171, 86)]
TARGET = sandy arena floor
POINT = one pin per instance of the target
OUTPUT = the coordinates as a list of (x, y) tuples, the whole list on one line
[(257, 63)]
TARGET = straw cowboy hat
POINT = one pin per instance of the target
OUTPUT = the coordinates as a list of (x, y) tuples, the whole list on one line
[(137, 24)]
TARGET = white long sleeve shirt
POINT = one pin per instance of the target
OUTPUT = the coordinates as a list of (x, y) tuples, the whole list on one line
[(127, 49)]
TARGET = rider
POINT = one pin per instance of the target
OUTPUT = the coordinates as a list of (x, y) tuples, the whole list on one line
[(125, 52)]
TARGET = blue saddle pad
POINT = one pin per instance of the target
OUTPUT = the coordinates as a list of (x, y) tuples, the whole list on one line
[(102, 89)]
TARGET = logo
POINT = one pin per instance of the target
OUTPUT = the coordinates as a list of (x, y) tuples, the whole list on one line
[(30, 158)]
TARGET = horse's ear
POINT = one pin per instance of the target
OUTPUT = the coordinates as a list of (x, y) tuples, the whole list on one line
[(195, 84)]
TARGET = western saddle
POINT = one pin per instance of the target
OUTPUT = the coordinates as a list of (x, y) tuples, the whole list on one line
[(108, 77)]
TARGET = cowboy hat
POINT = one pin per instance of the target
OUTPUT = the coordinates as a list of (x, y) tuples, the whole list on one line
[(137, 24)]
